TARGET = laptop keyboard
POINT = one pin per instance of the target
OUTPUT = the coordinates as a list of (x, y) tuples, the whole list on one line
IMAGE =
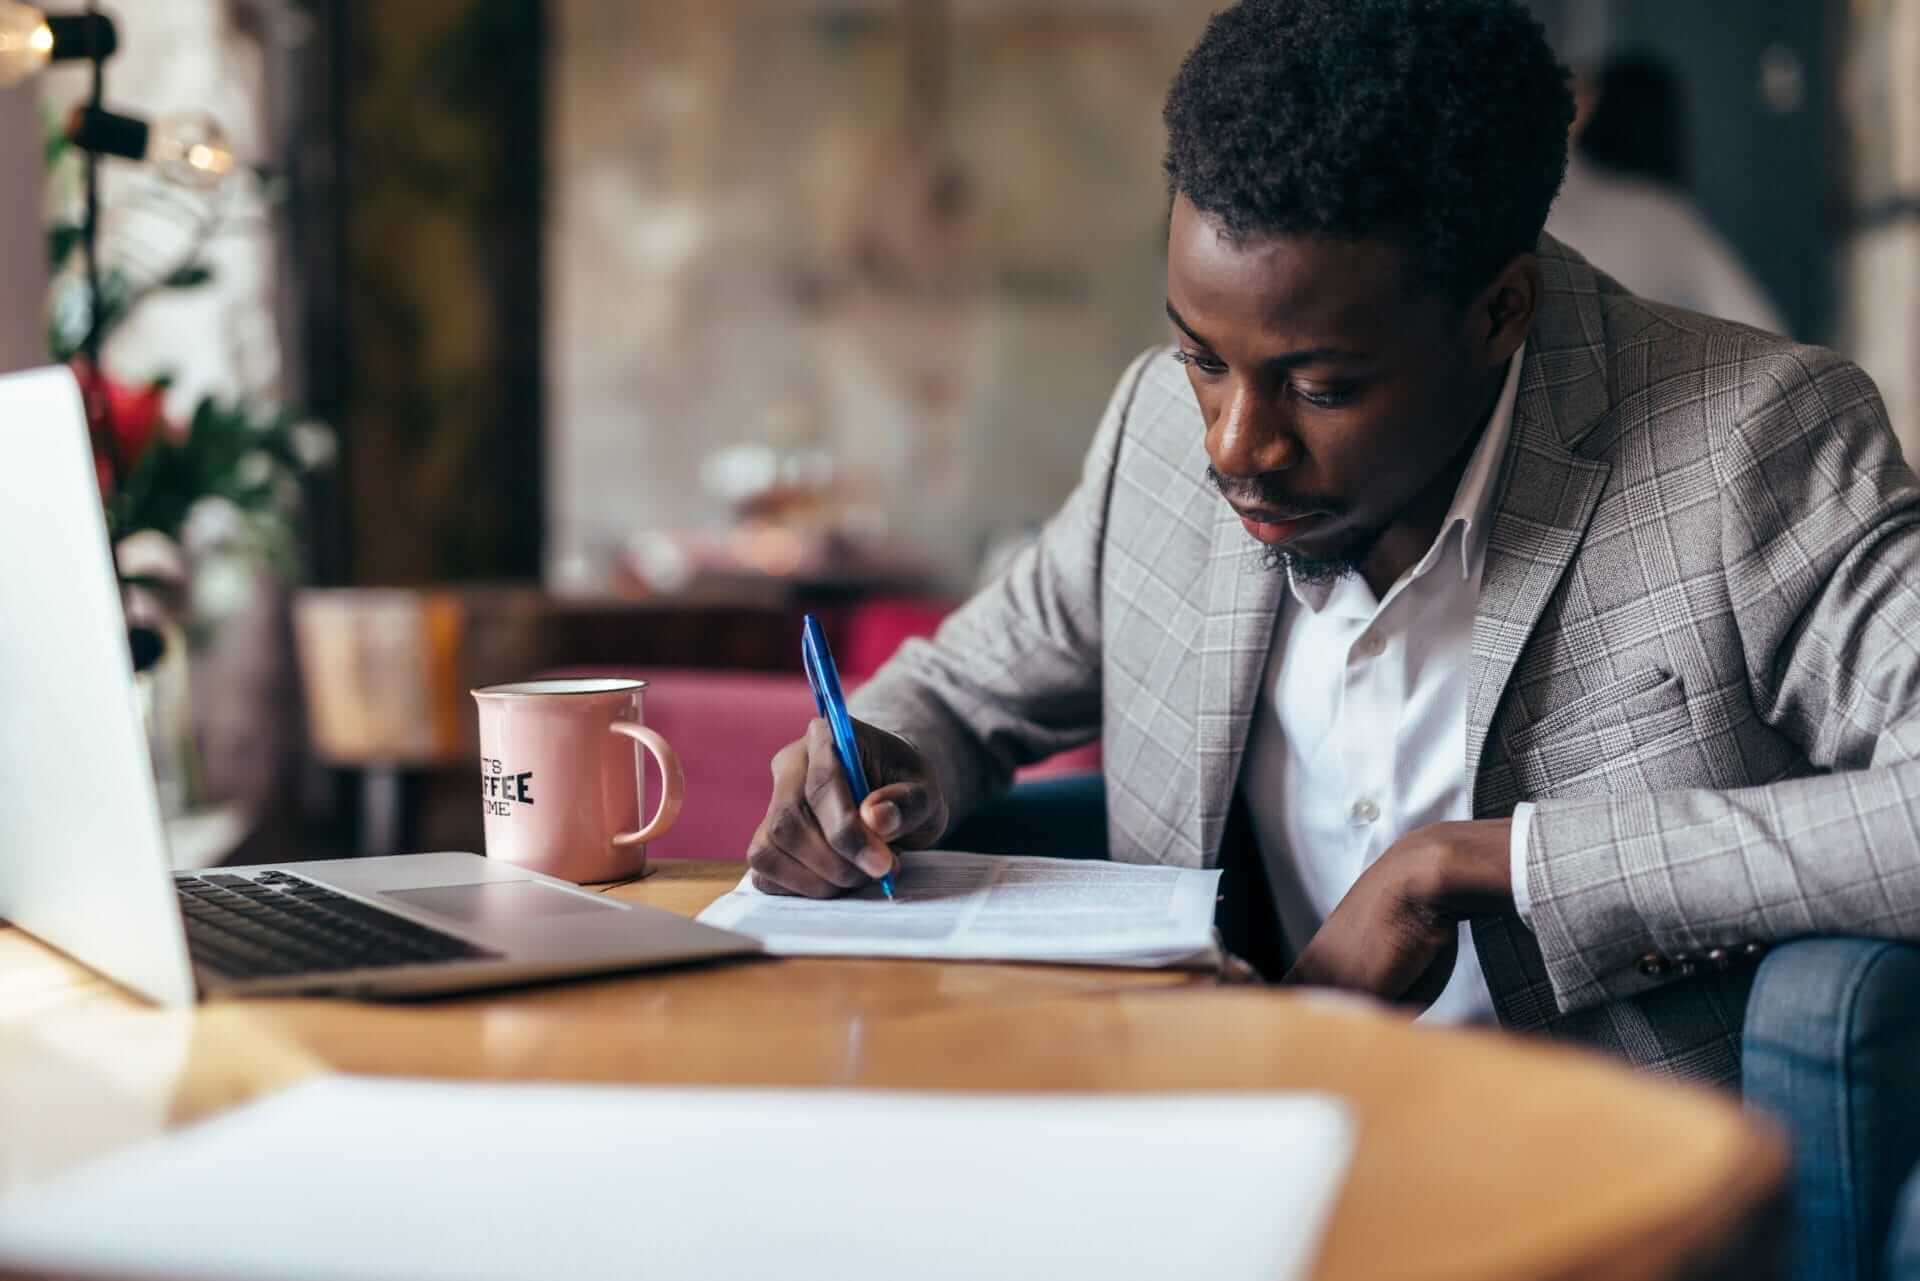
[(276, 924)]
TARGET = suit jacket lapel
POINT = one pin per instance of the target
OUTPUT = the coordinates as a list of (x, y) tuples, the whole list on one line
[(1547, 494), (1243, 598), (1547, 491)]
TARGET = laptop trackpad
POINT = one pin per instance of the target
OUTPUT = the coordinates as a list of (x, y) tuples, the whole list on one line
[(499, 902)]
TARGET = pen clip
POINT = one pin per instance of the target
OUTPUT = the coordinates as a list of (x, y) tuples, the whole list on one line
[(810, 663)]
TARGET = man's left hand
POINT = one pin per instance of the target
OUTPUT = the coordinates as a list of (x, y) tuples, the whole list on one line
[(1397, 932)]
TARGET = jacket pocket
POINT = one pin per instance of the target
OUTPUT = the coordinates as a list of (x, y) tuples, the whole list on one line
[(1612, 733)]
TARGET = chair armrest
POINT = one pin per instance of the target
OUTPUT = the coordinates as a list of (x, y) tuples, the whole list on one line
[(1831, 1038), (1903, 1260)]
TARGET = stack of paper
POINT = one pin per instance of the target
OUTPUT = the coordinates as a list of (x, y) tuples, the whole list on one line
[(980, 908), (361, 1180)]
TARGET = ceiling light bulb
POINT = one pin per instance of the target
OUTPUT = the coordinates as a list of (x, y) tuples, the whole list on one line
[(26, 41), (30, 39), (191, 150)]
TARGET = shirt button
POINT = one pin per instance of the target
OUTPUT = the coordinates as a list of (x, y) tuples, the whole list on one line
[(1365, 812), (1653, 965), (1370, 645)]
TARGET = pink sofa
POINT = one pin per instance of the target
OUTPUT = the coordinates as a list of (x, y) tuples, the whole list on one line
[(726, 727)]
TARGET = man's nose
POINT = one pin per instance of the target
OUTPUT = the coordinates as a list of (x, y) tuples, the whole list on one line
[(1251, 435)]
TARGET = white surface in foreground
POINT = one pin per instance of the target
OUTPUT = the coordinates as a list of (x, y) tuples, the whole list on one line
[(364, 1179), (978, 907)]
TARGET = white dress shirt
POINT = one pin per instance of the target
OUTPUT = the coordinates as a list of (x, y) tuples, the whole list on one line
[(1360, 735)]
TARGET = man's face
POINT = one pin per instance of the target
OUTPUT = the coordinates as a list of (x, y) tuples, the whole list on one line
[(1337, 400)]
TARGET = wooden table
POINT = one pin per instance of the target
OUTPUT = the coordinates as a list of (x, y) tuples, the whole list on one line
[(1480, 1156)]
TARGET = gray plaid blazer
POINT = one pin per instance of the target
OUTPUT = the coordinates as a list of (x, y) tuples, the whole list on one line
[(1697, 649)]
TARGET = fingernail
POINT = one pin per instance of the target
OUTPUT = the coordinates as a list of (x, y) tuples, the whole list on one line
[(876, 863), (886, 819)]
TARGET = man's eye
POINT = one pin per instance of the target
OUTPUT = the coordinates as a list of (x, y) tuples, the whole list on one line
[(1205, 364), (1331, 398)]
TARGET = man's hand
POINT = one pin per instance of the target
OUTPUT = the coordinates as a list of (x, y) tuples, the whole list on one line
[(813, 841), (1396, 933)]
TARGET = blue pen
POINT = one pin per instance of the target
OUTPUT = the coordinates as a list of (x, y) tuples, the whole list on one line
[(824, 677)]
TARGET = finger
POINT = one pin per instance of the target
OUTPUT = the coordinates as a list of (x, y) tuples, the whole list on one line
[(790, 824), (832, 803), (794, 833), (1236, 971), (904, 814), (776, 872)]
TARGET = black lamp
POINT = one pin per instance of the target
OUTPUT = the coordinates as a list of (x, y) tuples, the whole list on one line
[(30, 39), (191, 150)]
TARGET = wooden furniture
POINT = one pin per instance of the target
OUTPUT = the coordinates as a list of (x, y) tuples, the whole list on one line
[(385, 675), (1481, 1155)]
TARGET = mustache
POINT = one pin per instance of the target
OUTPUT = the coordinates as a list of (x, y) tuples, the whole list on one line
[(1265, 492)]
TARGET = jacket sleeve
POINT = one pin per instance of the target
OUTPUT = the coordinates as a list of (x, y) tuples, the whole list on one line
[(1820, 544), (1013, 676)]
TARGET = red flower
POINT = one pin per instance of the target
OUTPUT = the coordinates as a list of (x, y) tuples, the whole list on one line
[(135, 413)]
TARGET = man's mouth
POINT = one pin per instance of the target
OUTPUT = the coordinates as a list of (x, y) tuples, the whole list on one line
[(1275, 527)]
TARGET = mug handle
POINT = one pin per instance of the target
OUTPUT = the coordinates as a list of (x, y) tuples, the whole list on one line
[(673, 784)]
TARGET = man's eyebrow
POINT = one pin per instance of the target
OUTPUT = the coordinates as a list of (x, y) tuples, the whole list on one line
[(1306, 356), (1185, 328)]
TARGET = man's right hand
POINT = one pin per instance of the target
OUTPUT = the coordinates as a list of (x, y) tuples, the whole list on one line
[(815, 843)]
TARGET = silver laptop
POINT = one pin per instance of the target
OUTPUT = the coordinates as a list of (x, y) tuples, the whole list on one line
[(83, 857)]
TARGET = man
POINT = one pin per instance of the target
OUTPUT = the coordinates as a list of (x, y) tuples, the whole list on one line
[(1624, 204), (1551, 652)]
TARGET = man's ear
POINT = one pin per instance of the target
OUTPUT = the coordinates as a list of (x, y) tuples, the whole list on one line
[(1503, 313)]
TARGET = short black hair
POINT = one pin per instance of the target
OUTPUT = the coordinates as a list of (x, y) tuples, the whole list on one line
[(1438, 125)]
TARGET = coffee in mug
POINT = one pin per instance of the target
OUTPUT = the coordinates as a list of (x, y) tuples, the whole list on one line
[(563, 777)]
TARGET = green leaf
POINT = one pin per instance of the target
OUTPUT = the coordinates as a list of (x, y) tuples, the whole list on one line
[(191, 276), (72, 311), (63, 238), (55, 147)]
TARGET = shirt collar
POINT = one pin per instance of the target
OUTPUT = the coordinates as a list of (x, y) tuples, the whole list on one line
[(1472, 498)]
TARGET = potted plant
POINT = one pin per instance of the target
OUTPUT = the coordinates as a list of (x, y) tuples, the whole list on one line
[(203, 503)]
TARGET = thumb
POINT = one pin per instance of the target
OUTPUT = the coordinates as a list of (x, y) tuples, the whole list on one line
[(908, 815)]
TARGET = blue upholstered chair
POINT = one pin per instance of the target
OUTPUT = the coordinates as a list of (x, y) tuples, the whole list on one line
[(1832, 1050), (1903, 1256), (1062, 817)]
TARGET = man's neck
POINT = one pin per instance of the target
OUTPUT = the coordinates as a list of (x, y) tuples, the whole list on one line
[(1402, 544)]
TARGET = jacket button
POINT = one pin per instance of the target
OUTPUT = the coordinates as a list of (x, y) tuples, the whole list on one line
[(1653, 965), (1687, 969), (1719, 958), (1753, 950)]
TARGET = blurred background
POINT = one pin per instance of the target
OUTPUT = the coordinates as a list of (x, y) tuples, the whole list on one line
[(525, 335)]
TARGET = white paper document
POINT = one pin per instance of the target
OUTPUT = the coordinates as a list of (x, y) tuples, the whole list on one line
[(978, 907), (345, 1179)]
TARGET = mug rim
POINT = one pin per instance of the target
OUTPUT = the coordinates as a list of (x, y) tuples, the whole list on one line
[(585, 687)]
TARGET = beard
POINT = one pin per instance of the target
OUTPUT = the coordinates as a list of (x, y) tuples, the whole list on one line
[(1311, 570), (1305, 569), (1321, 570)]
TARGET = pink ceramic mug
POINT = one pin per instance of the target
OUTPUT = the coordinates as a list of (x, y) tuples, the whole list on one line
[(563, 781)]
